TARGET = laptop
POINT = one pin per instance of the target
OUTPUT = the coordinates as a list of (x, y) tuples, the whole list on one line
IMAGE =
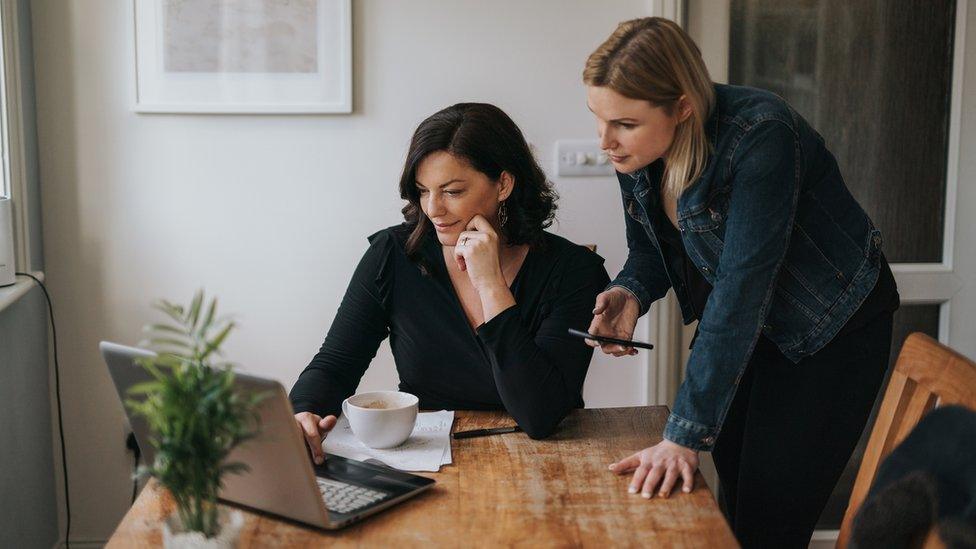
[(282, 479)]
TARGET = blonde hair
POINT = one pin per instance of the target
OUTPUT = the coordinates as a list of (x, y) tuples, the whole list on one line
[(653, 59)]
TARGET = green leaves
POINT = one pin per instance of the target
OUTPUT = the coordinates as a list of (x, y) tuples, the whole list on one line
[(196, 415)]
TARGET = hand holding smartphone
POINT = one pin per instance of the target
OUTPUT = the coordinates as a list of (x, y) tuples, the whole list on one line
[(606, 339)]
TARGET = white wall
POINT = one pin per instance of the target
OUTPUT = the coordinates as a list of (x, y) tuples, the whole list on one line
[(270, 213)]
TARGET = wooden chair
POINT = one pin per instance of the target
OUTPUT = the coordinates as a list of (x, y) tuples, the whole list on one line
[(927, 374)]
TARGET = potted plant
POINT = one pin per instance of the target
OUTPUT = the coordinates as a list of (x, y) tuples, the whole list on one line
[(196, 417)]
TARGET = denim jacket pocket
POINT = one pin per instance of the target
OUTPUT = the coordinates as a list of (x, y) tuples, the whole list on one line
[(877, 241), (707, 226), (633, 210), (709, 216)]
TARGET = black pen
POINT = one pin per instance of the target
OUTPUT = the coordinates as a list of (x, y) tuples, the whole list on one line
[(485, 432)]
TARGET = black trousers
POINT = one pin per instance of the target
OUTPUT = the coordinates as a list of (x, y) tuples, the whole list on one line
[(791, 429)]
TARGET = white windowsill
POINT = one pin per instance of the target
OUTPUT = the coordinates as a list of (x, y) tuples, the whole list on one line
[(10, 294)]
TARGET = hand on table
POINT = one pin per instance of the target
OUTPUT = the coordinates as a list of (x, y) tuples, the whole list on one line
[(664, 463), (314, 428), (615, 315)]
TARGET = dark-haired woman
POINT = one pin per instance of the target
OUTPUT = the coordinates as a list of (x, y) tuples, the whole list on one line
[(474, 294)]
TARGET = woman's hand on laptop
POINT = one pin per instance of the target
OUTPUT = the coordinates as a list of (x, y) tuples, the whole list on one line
[(314, 428)]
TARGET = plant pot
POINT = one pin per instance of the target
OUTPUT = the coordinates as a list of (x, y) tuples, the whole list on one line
[(176, 537)]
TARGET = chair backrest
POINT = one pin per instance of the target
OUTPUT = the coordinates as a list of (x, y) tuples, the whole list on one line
[(927, 374)]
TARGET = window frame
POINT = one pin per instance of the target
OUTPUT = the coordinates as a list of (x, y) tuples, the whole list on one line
[(13, 154)]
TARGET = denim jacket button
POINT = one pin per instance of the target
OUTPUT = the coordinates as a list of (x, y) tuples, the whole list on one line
[(705, 268), (715, 215), (708, 440)]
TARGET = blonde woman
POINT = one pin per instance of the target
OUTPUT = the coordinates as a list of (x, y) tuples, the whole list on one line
[(736, 203)]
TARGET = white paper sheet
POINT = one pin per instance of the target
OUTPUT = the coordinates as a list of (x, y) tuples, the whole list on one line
[(428, 447)]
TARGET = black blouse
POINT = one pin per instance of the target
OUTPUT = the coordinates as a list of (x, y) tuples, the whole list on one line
[(522, 360)]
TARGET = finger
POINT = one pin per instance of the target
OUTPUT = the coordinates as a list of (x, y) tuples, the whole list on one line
[(615, 349), (601, 303), (626, 465), (315, 445), (459, 254), (610, 348), (327, 423), (464, 241), (480, 223), (594, 329), (477, 236), (687, 478), (640, 473), (307, 423), (313, 439), (670, 477), (652, 480)]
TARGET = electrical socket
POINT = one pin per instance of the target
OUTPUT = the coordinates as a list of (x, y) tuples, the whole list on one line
[(581, 158)]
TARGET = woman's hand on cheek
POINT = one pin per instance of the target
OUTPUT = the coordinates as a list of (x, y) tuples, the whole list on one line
[(476, 253)]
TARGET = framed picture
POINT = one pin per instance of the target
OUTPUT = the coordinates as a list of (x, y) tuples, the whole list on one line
[(243, 56)]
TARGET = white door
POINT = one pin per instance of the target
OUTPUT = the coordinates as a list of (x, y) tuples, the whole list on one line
[(885, 84)]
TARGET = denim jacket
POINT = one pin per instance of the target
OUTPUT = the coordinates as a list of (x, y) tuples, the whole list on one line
[(771, 225)]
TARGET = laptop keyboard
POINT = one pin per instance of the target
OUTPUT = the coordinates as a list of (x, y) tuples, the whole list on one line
[(341, 497)]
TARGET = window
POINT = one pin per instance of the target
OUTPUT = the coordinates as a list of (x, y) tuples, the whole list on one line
[(14, 184), (5, 187)]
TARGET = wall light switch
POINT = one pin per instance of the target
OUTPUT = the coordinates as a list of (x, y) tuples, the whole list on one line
[(581, 158)]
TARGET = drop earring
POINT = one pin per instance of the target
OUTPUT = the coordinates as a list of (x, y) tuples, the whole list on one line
[(502, 214)]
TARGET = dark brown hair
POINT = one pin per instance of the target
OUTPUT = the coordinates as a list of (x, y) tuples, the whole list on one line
[(489, 141)]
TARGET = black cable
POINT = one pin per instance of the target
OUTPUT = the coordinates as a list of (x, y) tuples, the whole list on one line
[(133, 445), (135, 481), (57, 392)]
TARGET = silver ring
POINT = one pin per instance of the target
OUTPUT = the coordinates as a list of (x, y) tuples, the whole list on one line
[(464, 241)]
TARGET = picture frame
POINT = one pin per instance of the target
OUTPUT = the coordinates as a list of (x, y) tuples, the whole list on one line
[(242, 56)]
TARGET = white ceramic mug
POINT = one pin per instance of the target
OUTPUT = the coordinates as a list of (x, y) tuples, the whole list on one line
[(381, 419)]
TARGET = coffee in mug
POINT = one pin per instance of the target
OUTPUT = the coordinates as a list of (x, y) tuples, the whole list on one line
[(381, 419)]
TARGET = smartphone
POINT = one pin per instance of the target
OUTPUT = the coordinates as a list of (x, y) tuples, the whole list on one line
[(605, 339)]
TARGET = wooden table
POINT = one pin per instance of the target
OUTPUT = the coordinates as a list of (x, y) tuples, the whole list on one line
[(505, 490)]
